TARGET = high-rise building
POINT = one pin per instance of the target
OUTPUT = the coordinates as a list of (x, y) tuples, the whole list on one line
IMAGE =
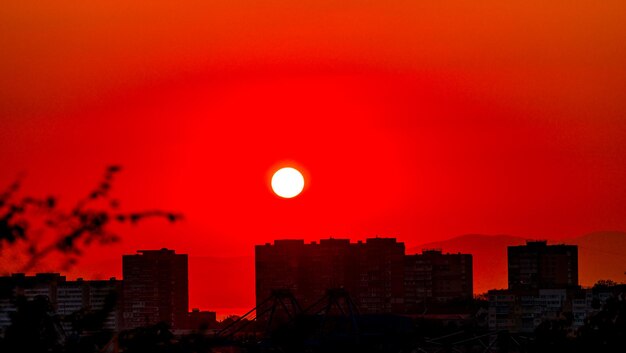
[(372, 272), (543, 285), (538, 265), (155, 288), (435, 277)]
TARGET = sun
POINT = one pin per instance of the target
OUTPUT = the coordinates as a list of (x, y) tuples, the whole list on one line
[(287, 182)]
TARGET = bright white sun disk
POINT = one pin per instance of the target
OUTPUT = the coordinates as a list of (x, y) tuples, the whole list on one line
[(287, 182)]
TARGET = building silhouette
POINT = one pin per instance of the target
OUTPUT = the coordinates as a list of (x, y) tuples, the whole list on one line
[(434, 277), (538, 265), (65, 297), (155, 288), (376, 273), (543, 285), (197, 319), (372, 272)]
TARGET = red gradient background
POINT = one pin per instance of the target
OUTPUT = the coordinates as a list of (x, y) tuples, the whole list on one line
[(413, 119)]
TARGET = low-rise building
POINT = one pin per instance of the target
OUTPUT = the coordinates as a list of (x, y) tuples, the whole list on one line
[(66, 297)]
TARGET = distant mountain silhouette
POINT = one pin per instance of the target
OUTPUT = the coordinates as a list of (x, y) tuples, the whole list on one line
[(601, 255)]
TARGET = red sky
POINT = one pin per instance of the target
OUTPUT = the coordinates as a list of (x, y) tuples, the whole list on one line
[(414, 119)]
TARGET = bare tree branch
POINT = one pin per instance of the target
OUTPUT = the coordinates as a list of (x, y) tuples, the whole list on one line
[(88, 221)]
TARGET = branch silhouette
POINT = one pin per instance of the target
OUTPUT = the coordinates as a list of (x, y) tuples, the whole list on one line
[(24, 220)]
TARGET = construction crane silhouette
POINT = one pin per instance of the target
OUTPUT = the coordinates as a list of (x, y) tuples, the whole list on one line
[(335, 318)]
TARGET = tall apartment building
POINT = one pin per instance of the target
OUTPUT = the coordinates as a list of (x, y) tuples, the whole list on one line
[(436, 277), (155, 288), (543, 285), (372, 272), (538, 265)]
